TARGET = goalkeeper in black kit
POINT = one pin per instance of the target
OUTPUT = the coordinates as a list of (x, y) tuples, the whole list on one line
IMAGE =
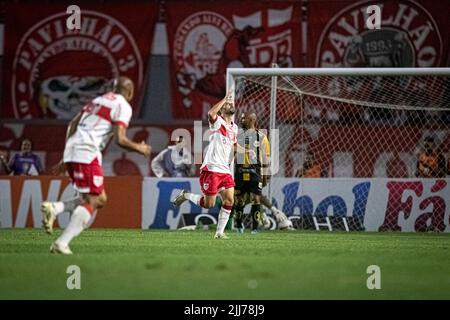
[(251, 174)]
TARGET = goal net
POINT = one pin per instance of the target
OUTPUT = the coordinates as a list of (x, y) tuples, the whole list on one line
[(333, 128)]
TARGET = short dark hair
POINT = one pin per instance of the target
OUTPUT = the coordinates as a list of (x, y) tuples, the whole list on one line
[(429, 139)]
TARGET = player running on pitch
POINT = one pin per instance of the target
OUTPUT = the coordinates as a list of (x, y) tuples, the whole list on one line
[(87, 135), (215, 172)]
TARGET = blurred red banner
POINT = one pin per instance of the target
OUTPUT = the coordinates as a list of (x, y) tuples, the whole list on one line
[(411, 34), (51, 71), (22, 198), (205, 38)]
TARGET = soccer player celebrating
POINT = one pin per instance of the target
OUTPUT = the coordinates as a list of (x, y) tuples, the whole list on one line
[(215, 172), (248, 174), (87, 135)]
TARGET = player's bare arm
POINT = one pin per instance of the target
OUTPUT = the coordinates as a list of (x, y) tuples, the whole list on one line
[(73, 125), (60, 167), (240, 149), (5, 164), (120, 134), (212, 113), (265, 160), (266, 169)]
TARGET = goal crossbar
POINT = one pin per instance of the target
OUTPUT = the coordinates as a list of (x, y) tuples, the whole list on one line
[(337, 72)]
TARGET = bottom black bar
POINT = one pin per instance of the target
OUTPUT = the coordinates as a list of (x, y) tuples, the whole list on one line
[(234, 309)]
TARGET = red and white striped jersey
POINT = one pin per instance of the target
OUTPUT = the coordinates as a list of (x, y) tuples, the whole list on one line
[(222, 139), (95, 128)]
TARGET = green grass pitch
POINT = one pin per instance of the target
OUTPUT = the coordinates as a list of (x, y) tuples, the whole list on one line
[(136, 264)]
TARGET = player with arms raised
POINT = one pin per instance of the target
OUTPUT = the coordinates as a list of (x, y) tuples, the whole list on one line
[(87, 135), (215, 172)]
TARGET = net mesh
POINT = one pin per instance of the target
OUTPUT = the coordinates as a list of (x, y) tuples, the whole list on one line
[(357, 126)]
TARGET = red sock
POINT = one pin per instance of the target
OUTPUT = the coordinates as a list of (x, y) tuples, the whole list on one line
[(88, 207), (202, 202), (227, 207)]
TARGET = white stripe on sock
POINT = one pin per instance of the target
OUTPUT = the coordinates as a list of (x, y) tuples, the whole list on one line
[(195, 198), (59, 207), (224, 215), (78, 222)]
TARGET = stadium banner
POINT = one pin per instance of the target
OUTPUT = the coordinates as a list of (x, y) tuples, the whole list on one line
[(392, 157), (21, 198), (377, 204), (411, 34), (51, 71), (205, 38), (116, 161)]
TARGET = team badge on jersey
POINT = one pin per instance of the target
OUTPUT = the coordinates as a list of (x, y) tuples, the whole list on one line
[(206, 186), (98, 181), (231, 135)]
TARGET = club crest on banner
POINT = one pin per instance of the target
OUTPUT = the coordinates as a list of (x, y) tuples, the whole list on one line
[(56, 71), (408, 37), (207, 42)]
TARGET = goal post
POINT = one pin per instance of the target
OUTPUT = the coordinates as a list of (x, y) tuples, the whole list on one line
[(347, 126), (272, 125)]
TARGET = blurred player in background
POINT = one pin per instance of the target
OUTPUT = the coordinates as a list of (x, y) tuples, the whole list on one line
[(310, 168), (215, 172), (283, 222), (174, 161), (87, 135), (25, 163), (431, 163)]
